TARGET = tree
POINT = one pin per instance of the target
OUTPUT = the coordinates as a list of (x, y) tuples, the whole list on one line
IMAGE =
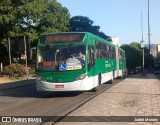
[(84, 24), (54, 19), (134, 56), (148, 59), (31, 18), (7, 17)]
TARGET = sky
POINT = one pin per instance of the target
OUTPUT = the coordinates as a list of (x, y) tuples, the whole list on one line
[(121, 18)]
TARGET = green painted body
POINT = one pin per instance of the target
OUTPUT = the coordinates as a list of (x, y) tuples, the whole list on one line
[(122, 61), (101, 65), (122, 65)]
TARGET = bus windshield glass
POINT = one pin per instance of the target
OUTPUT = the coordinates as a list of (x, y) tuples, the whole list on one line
[(61, 58)]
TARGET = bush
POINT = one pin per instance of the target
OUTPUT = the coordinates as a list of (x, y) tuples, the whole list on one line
[(14, 70), (32, 72)]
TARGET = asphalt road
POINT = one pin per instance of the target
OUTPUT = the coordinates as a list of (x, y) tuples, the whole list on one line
[(26, 101)]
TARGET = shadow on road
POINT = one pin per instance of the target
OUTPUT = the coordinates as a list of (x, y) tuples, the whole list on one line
[(16, 84), (147, 76), (27, 89)]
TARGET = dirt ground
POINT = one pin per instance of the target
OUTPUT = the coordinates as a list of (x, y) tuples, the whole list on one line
[(5, 80)]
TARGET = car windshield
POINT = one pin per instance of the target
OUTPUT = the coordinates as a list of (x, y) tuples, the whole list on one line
[(61, 58)]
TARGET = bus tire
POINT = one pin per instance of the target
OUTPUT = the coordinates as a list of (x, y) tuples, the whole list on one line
[(111, 81), (123, 75), (95, 89), (99, 79)]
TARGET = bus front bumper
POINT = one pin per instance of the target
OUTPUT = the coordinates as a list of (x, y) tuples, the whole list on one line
[(79, 85)]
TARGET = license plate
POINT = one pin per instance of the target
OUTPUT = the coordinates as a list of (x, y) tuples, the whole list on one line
[(59, 86)]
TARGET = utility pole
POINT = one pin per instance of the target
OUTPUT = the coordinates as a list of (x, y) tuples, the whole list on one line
[(148, 28), (25, 47), (142, 46), (9, 50), (142, 42)]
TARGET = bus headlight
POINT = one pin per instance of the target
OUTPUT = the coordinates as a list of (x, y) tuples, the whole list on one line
[(81, 77)]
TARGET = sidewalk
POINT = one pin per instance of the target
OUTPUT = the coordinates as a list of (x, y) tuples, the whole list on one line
[(134, 96)]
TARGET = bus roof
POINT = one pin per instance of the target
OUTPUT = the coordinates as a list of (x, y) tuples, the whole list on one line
[(85, 33)]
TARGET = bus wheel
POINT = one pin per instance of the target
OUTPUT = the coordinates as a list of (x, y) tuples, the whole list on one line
[(111, 81), (95, 89), (122, 76), (99, 79)]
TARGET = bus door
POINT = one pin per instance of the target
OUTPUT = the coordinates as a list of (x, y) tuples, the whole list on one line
[(91, 57), (91, 64)]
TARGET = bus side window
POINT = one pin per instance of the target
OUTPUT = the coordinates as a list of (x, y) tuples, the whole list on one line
[(91, 57), (98, 48)]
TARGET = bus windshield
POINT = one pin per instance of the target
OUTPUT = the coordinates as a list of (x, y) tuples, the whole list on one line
[(61, 58)]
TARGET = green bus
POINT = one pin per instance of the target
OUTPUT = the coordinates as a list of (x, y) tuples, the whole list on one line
[(77, 61)]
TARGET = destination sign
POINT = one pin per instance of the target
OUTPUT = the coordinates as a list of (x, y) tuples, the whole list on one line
[(68, 37)]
